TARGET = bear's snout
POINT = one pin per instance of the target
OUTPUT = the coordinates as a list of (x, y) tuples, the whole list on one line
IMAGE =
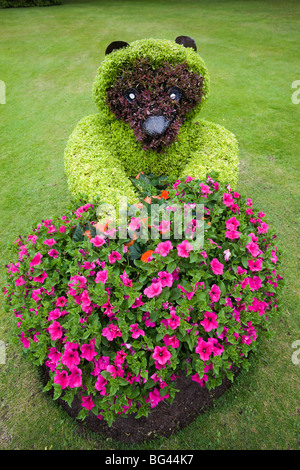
[(156, 125)]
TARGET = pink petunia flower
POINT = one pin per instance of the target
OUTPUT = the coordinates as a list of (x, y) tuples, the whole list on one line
[(49, 242), (87, 402), (53, 253), (36, 260), (153, 290), (171, 341), (88, 350), (228, 199), (164, 248), (111, 332), (184, 248), (161, 354), (97, 241), (55, 330), (255, 264), (204, 349), (100, 384), (114, 256), (101, 276), (214, 293), (210, 321), (70, 358), (75, 378), (216, 266), (134, 224), (61, 378), (136, 331), (165, 278), (253, 249)]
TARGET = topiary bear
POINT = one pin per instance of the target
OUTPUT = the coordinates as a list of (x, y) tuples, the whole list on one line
[(148, 94)]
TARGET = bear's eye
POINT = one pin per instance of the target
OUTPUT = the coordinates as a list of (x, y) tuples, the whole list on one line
[(131, 94), (175, 93)]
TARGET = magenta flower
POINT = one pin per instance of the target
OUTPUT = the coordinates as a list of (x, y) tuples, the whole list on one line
[(216, 266), (165, 278), (164, 248), (125, 279), (87, 402), (228, 199), (53, 253), (161, 355), (154, 290), (101, 276), (75, 379), (97, 241), (100, 384), (232, 223), (184, 248), (204, 349), (61, 301), (70, 358), (111, 332), (214, 293), (255, 264), (136, 331), (263, 228), (55, 330), (36, 260), (114, 256), (196, 378), (171, 341), (174, 321), (25, 341), (210, 321), (134, 224), (232, 234), (41, 278), (61, 378), (253, 249), (49, 242), (88, 350)]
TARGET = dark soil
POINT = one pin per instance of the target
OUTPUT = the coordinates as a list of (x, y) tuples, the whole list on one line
[(163, 420)]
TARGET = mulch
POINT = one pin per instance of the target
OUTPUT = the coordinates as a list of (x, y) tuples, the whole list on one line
[(163, 420)]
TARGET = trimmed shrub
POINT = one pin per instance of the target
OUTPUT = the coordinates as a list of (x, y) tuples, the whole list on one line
[(28, 3), (117, 319)]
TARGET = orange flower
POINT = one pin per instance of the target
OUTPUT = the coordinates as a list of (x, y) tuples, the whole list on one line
[(148, 199), (129, 243), (140, 173), (165, 195), (88, 234), (145, 256)]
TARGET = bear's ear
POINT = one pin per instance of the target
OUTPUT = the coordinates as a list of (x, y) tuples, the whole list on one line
[(115, 45), (186, 41)]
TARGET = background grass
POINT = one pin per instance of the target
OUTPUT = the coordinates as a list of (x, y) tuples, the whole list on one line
[(48, 61)]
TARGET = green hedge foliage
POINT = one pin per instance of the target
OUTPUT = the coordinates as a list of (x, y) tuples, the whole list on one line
[(28, 3)]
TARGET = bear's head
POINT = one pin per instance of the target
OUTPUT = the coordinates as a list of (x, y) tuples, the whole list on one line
[(152, 85)]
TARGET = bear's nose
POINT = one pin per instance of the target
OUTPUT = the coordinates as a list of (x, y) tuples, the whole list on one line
[(156, 125)]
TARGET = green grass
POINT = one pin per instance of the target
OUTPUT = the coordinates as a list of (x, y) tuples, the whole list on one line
[(48, 61)]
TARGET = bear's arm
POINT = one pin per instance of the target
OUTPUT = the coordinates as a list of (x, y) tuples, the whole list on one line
[(91, 169), (214, 148)]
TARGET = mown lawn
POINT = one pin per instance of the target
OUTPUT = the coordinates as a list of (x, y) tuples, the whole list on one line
[(48, 61)]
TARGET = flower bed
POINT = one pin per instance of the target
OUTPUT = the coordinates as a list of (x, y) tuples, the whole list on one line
[(117, 320)]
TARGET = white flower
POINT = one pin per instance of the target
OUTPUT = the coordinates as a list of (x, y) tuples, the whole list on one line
[(226, 254)]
